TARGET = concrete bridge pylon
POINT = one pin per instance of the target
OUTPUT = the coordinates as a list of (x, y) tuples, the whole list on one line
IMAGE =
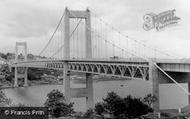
[(17, 75), (79, 92)]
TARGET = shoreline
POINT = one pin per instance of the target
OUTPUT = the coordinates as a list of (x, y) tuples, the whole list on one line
[(74, 80), (8, 87)]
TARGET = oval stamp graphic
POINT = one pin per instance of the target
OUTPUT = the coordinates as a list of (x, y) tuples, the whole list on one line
[(160, 21)]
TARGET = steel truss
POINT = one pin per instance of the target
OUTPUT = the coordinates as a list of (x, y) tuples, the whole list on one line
[(125, 70)]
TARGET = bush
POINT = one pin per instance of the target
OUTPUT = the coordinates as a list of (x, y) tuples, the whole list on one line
[(4, 101), (114, 104), (99, 108), (127, 107), (57, 105), (135, 107), (89, 114), (149, 99)]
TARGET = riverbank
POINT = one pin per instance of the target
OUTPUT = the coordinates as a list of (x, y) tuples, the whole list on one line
[(9, 87), (4, 84), (97, 78)]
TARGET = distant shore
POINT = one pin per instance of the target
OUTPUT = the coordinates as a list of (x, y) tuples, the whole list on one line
[(77, 79)]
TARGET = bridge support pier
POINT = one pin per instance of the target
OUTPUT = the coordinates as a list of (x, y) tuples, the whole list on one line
[(153, 76), (90, 92), (16, 78), (67, 85), (189, 91), (26, 77), (78, 92), (17, 75)]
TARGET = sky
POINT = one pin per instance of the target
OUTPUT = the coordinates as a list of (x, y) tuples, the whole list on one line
[(34, 21)]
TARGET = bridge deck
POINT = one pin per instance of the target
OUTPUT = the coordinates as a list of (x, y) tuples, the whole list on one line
[(175, 65), (127, 68)]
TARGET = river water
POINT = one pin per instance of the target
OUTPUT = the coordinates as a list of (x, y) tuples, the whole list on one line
[(170, 95), (36, 95)]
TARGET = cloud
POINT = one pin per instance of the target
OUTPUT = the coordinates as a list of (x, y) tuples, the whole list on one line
[(35, 20), (25, 20)]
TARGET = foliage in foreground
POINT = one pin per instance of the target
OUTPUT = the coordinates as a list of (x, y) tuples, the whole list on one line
[(128, 107), (57, 105), (149, 99), (4, 101)]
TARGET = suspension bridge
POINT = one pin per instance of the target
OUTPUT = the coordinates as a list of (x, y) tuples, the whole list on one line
[(82, 42)]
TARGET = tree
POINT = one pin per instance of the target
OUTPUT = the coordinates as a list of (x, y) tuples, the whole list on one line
[(149, 99), (128, 107), (99, 108), (135, 107), (57, 105), (4, 101), (89, 114), (6, 71), (114, 104), (2, 55)]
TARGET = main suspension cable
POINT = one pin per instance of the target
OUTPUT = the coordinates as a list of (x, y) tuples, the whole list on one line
[(53, 34), (69, 38)]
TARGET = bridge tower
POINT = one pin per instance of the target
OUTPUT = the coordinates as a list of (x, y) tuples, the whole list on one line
[(17, 75), (78, 92)]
